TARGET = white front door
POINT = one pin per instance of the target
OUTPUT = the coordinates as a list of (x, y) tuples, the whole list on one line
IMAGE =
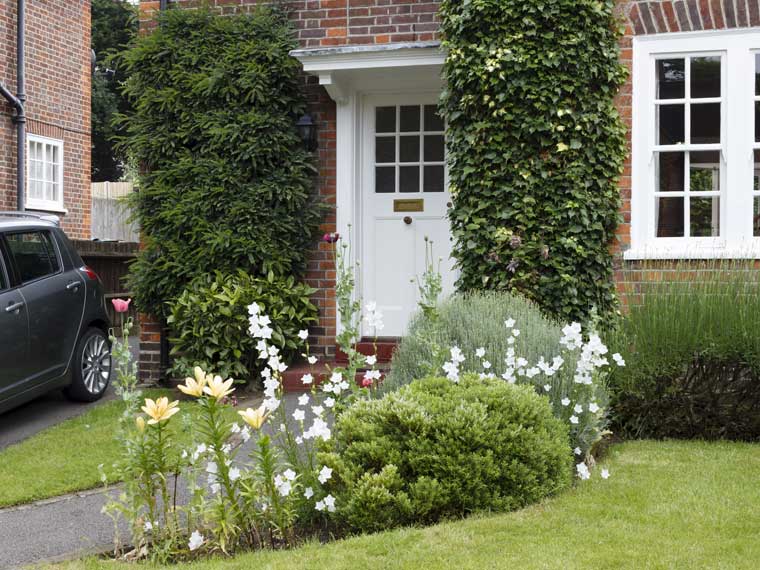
[(404, 199)]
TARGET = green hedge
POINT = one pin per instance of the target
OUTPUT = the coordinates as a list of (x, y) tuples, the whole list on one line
[(692, 350), (535, 148), (436, 450), (226, 182)]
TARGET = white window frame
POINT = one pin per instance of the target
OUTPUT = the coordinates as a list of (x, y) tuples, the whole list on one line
[(35, 203), (737, 50)]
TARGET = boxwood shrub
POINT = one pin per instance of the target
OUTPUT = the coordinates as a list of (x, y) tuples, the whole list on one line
[(436, 450), (692, 349), (535, 148)]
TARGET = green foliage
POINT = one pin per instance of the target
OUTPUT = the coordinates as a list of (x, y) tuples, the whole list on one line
[(437, 450), (469, 322), (114, 24), (226, 183), (692, 353), (209, 321), (535, 148)]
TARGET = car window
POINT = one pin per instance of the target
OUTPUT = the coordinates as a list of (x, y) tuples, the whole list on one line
[(3, 278), (33, 253)]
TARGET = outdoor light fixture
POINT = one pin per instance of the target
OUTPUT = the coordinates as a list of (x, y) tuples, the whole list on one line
[(307, 128)]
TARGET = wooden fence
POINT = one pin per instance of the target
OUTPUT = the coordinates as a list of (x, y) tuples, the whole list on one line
[(110, 214)]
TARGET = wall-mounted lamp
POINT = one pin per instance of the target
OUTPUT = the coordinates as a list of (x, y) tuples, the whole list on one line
[(307, 128)]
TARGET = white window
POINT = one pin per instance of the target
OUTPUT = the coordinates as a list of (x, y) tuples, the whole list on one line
[(696, 146), (44, 174)]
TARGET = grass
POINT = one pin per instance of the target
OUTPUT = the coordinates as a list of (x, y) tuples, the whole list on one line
[(667, 505), (65, 458)]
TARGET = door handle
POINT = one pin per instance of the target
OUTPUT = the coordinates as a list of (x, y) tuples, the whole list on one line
[(14, 307), (408, 220), (74, 285)]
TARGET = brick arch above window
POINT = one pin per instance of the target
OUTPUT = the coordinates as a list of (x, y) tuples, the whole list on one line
[(667, 16)]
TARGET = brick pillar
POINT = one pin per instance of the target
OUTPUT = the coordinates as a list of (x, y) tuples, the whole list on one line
[(149, 366)]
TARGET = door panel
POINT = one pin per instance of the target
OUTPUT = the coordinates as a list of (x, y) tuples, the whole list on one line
[(404, 199), (14, 338), (54, 300)]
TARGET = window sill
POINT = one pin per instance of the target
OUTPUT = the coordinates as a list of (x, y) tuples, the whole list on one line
[(51, 208), (748, 251)]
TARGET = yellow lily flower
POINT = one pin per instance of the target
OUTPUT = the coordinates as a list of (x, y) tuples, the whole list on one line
[(140, 423), (160, 410), (217, 388), (255, 418), (194, 387)]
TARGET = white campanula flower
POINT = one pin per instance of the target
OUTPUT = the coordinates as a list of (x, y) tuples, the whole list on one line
[(336, 377), (308, 492), (312, 359), (371, 360), (285, 488), (303, 334), (299, 415), (515, 333), (299, 440), (480, 352), (577, 451), (318, 410), (571, 336), (509, 323), (618, 359), (372, 375), (344, 385), (578, 409), (511, 340), (148, 526), (289, 474), (303, 400), (307, 378), (583, 472), (212, 468), (329, 402), (215, 488), (548, 387), (271, 404), (253, 309), (456, 355), (330, 503), (320, 506), (574, 420), (235, 428), (605, 474), (325, 474), (452, 371), (486, 365), (246, 434), (565, 401), (521, 362), (196, 539), (593, 407), (318, 430), (531, 372), (509, 376), (374, 318), (234, 474)]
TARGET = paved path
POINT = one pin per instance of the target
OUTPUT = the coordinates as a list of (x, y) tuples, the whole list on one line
[(67, 527), (46, 411)]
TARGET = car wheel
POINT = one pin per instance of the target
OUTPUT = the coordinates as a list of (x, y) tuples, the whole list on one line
[(91, 367)]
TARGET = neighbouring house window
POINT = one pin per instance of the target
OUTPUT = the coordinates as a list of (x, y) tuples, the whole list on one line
[(696, 123), (410, 149), (45, 173)]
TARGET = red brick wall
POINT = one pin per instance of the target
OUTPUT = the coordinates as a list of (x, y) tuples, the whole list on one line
[(58, 97)]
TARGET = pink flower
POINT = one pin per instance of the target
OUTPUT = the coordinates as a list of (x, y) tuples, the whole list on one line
[(331, 238), (366, 383), (120, 305)]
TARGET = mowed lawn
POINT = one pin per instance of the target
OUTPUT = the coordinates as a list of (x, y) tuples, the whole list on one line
[(689, 505), (66, 457)]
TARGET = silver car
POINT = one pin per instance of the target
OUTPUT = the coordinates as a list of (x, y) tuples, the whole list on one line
[(53, 319)]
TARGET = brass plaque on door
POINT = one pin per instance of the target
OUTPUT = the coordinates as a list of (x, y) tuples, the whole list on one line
[(409, 205)]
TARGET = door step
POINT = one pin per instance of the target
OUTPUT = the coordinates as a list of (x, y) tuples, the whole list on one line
[(292, 378), (383, 348)]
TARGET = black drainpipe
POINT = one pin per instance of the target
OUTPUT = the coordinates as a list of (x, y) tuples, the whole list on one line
[(18, 104)]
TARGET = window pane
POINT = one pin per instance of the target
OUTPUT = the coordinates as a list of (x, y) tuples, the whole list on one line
[(3, 281), (385, 120), (385, 179), (36, 189), (434, 179), (50, 191), (385, 149), (670, 124), (704, 171), (756, 217), (56, 158), (671, 81), (757, 74), (409, 179), (669, 217), (409, 149), (434, 148), (433, 121), (31, 253), (705, 123), (705, 77), (757, 121), (705, 217), (410, 119), (670, 172)]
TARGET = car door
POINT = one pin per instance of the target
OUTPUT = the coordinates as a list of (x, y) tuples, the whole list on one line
[(14, 333), (54, 295)]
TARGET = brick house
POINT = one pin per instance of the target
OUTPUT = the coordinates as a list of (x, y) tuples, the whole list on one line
[(691, 186), (57, 109)]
